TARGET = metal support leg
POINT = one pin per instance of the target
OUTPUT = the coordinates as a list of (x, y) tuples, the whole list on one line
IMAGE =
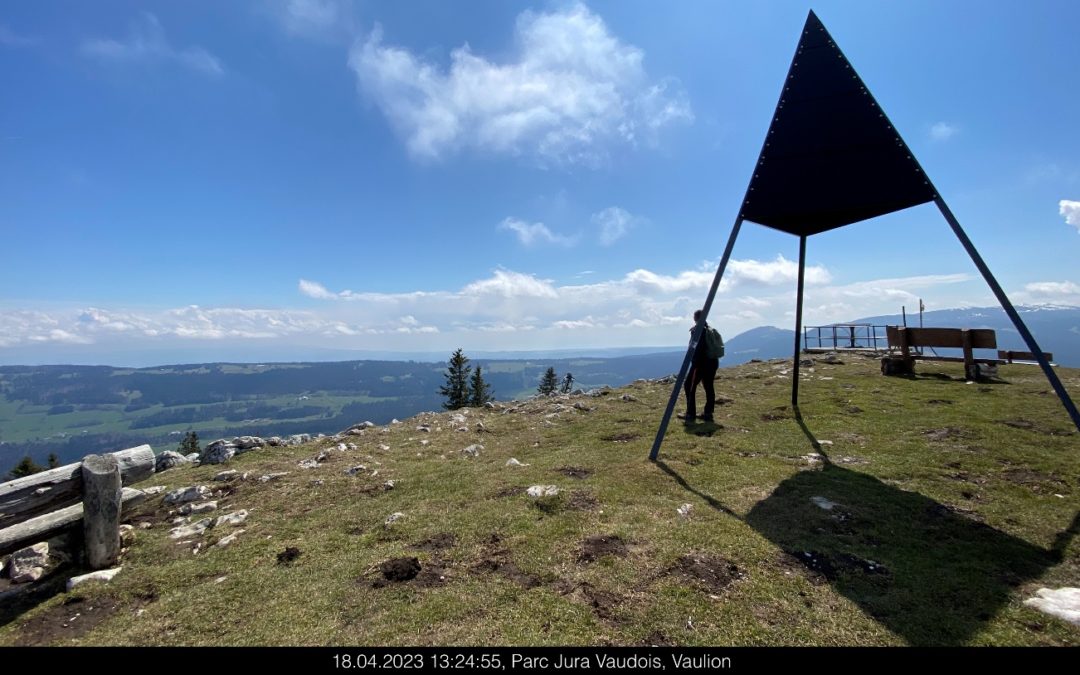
[(798, 322), (1059, 389), (698, 329)]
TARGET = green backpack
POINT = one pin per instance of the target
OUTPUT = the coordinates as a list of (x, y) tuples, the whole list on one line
[(714, 344)]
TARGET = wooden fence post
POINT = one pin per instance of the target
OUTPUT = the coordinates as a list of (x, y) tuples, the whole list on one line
[(102, 490)]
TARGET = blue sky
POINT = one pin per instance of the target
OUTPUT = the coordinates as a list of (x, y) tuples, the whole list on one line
[(305, 174)]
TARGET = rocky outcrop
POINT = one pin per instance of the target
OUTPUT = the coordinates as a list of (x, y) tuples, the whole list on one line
[(169, 460), (218, 452), (28, 564), (188, 494)]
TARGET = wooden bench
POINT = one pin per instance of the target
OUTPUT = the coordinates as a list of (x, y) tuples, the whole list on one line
[(905, 339), (1011, 356)]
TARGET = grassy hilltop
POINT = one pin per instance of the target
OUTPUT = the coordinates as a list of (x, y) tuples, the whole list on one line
[(898, 511)]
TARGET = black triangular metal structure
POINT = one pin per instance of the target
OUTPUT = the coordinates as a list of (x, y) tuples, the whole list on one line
[(831, 157)]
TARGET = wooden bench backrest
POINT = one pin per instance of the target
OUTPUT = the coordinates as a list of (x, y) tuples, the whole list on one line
[(981, 338)]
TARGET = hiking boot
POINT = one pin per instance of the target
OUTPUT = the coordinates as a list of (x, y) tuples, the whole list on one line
[(708, 419), (687, 419)]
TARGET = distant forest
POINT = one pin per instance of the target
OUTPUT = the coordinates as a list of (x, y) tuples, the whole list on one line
[(77, 410)]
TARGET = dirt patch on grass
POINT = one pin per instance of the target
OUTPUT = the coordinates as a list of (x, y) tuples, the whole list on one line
[(1037, 481), (622, 437), (602, 603), (288, 556), (596, 547), (853, 410), (776, 414), (582, 501), (945, 434), (499, 565), (437, 542), (431, 576), (510, 492), (76, 616), (939, 401), (397, 570), (712, 573), (574, 472), (1028, 425), (497, 561), (656, 639)]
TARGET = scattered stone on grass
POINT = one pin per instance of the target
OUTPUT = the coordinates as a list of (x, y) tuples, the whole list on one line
[(537, 491), (473, 450), (100, 575), (272, 476), (685, 510), (393, 518), (188, 494), (191, 508)]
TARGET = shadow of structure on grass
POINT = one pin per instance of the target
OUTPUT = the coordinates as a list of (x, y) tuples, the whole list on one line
[(922, 570)]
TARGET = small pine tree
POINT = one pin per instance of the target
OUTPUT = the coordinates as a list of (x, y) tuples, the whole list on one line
[(567, 383), (54, 461), (190, 444), (479, 391), (456, 389), (26, 467), (549, 383)]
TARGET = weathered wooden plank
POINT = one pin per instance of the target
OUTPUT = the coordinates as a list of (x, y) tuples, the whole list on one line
[(1011, 356), (101, 510), (51, 524), (39, 493)]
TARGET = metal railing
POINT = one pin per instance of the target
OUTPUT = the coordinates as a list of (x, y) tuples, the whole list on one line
[(837, 336)]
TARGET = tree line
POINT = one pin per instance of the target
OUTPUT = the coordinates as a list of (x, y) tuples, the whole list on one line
[(466, 388)]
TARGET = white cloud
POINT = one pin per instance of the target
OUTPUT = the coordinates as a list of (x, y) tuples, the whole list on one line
[(942, 131), (504, 310), (314, 289), (1071, 211), (614, 224), (531, 233), (1049, 293), (512, 285), (570, 91), (146, 42)]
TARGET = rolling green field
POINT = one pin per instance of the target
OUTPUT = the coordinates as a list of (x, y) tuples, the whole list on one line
[(891, 511)]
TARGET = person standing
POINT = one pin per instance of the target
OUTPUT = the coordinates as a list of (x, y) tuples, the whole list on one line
[(702, 371)]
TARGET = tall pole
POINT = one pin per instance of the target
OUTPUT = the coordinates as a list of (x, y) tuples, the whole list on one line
[(798, 322), (695, 337), (1059, 389)]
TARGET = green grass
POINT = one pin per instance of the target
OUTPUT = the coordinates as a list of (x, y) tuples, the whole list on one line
[(962, 515)]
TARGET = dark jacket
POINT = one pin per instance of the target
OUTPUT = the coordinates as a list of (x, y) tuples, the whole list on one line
[(701, 359)]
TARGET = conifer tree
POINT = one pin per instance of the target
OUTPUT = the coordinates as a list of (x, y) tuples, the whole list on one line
[(479, 391), (456, 389), (190, 444), (567, 383), (26, 467), (54, 461), (549, 383)]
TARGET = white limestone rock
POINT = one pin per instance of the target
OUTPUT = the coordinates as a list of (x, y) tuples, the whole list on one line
[(227, 475), (473, 450), (195, 509), (225, 541), (513, 462), (100, 575), (169, 460), (188, 494), (231, 518), (393, 518), (192, 530), (272, 476), (537, 491)]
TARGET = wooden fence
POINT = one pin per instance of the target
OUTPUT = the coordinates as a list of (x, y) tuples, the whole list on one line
[(89, 494)]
